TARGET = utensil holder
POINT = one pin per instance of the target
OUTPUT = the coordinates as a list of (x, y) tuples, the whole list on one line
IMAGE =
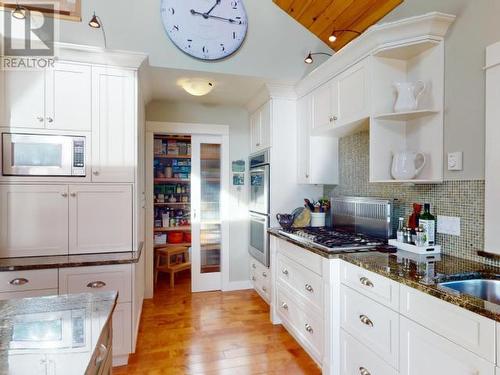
[(318, 219)]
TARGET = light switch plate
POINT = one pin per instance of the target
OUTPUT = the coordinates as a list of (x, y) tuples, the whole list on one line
[(455, 161), (448, 225)]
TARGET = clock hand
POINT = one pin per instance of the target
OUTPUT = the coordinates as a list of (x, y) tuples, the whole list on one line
[(206, 16), (217, 2)]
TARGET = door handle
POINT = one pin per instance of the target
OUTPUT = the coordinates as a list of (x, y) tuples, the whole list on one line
[(19, 281)]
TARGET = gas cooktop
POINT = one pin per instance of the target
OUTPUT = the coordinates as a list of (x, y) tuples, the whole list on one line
[(333, 240)]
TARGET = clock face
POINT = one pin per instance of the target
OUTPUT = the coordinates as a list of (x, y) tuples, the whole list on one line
[(205, 29)]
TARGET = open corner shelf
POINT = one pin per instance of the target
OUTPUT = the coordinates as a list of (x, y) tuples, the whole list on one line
[(406, 51), (346, 129), (406, 116), (408, 182)]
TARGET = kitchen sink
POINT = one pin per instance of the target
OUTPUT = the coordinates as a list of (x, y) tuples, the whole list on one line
[(486, 289)]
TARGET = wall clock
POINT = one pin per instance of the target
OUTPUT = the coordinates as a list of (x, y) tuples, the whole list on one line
[(205, 29)]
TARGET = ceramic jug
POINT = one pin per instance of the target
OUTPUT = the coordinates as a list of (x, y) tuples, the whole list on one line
[(408, 94), (404, 165)]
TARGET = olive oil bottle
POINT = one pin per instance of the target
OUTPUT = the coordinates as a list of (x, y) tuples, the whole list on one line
[(428, 222)]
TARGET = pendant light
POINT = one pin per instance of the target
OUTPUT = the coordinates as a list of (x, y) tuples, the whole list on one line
[(309, 58), (19, 12), (96, 23), (333, 36)]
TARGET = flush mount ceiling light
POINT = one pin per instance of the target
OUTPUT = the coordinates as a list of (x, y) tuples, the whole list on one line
[(309, 58), (196, 86), (96, 23), (19, 12), (333, 36)]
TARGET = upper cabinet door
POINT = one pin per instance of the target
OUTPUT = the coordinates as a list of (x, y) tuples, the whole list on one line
[(68, 99), (322, 100), (265, 126), (24, 99), (254, 131), (303, 136), (33, 220), (113, 124), (100, 218), (353, 94)]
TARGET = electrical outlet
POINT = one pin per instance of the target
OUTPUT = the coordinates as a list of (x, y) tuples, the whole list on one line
[(455, 161), (448, 225)]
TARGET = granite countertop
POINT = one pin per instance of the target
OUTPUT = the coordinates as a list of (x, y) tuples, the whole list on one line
[(66, 261), (422, 273), (55, 334)]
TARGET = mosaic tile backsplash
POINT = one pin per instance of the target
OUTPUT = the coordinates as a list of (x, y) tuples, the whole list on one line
[(464, 199)]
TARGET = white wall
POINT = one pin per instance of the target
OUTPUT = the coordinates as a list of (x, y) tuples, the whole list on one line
[(237, 119), (275, 46), (477, 25)]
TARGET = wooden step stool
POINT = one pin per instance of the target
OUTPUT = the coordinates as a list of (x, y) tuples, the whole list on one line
[(165, 262)]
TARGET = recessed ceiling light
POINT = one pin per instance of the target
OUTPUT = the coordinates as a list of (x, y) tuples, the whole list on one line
[(196, 86)]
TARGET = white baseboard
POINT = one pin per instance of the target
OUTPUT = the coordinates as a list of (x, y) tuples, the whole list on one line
[(120, 360), (238, 285)]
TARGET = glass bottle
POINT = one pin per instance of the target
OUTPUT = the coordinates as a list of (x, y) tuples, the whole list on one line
[(428, 223), (400, 231)]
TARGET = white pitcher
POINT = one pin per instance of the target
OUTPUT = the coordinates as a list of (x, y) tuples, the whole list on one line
[(404, 165), (408, 95)]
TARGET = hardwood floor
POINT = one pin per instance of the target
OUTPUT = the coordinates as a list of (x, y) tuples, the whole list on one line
[(212, 333)]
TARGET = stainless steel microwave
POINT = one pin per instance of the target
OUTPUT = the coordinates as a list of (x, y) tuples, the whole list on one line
[(43, 155)]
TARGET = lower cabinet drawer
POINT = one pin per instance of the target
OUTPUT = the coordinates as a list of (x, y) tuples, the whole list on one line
[(19, 281), (261, 279), (28, 294), (371, 323), (425, 353), (100, 278), (357, 359), (305, 327)]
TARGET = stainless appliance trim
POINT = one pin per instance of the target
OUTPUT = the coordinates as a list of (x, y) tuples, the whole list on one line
[(365, 215), (254, 159), (72, 162), (253, 206), (261, 256)]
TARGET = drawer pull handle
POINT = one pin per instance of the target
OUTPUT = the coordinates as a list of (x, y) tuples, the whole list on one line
[(253, 278), (254, 266), (103, 351), (309, 288), (365, 320), (96, 284), (19, 281), (364, 371), (264, 289), (264, 274), (366, 282), (284, 271), (284, 306), (309, 328)]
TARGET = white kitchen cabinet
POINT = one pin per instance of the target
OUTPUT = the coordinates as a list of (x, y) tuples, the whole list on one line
[(33, 220), (58, 98), (114, 123), (68, 97), (100, 218), (122, 330), (425, 353), (260, 128), (24, 95), (317, 161), (324, 107), (24, 284), (260, 276)]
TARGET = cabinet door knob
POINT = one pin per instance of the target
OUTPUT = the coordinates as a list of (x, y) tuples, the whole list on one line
[(366, 282), (284, 306), (40, 118), (284, 271), (264, 289), (254, 266), (365, 320), (19, 281), (95, 173), (309, 288), (96, 284), (64, 195), (363, 371), (73, 195), (50, 119), (253, 278), (264, 274), (307, 176), (309, 328)]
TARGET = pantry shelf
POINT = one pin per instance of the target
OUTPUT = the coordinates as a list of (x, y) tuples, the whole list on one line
[(165, 156), (166, 204), (174, 229), (160, 180), (167, 245)]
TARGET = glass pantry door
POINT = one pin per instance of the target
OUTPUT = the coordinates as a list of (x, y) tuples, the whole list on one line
[(206, 213)]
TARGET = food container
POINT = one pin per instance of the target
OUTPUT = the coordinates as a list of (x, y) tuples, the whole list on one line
[(187, 237), (175, 237), (318, 219)]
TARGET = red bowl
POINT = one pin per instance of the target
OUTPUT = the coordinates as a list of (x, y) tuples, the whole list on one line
[(175, 237)]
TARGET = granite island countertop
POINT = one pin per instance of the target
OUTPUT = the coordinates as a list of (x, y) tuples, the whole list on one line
[(422, 274), (66, 261), (55, 334)]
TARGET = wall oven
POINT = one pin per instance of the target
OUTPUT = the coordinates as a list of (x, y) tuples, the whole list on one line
[(43, 155), (260, 173)]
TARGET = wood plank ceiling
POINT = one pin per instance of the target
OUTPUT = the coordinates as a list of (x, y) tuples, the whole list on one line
[(321, 17)]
